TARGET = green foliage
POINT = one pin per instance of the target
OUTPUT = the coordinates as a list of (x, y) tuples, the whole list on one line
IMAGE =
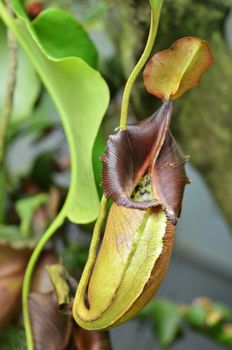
[(81, 111), (26, 207), (12, 236), (42, 170), (61, 35), (74, 257), (196, 315), (27, 85), (59, 277), (178, 19), (166, 320), (203, 315), (34, 123), (13, 339)]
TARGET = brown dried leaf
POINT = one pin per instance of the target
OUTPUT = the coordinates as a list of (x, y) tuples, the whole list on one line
[(51, 328), (12, 267), (41, 282)]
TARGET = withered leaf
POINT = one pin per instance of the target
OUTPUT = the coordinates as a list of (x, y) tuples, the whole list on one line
[(60, 277), (41, 282), (12, 266), (51, 328)]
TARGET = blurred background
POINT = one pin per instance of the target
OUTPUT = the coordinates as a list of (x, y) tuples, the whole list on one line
[(38, 159)]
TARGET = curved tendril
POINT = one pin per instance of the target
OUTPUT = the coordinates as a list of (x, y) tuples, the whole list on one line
[(137, 69)]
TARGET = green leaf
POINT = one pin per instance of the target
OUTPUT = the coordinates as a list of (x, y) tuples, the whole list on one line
[(59, 277), (224, 310), (74, 257), (196, 315), (210, 315), (26, 208), (81, 97), (27, 84), (12, 236), (166, 319), (61, 35), (223, 334), (34, 123), (171, 72), (13, 339), (42, 170)]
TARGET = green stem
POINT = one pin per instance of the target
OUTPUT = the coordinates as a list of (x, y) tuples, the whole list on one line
[(137, 69), (29, 271)]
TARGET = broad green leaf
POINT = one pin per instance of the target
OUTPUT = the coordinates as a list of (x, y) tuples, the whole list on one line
[(166, 319), (61, 35), (173, 71), (81, 97), (26, 208), (27, 82)]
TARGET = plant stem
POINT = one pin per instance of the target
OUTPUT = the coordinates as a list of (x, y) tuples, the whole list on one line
[(29, 271), (6, 113), (137, 69)]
